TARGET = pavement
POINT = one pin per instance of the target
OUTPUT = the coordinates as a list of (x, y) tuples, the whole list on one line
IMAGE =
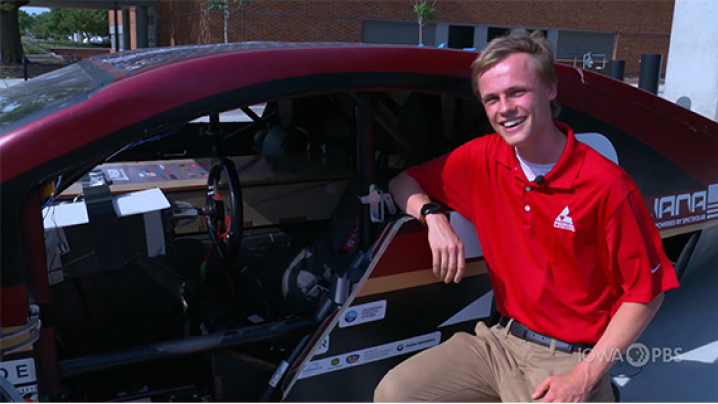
[(5, 83), (682, 340)]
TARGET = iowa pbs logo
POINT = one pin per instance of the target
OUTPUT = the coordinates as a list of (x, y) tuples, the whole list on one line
[(639, 354)]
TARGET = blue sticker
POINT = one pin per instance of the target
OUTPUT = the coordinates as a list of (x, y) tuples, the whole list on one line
[(350, 316)]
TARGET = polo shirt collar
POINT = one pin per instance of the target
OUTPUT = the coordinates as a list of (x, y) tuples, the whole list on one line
[(563, 174)]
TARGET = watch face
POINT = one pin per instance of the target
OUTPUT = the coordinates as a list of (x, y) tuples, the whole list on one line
[(430, 208)]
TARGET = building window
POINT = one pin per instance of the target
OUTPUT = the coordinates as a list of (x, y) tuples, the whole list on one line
[(461, 36)]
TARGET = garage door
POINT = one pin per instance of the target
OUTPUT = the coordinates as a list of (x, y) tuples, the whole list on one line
[(397, 32)]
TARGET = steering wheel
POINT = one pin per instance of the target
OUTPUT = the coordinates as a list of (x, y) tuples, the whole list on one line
[(224, 213)]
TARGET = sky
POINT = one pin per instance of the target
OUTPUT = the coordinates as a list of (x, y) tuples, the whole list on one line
[(34, 10)]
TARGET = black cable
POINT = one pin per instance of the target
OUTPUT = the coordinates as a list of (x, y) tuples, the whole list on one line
[(76, 260)]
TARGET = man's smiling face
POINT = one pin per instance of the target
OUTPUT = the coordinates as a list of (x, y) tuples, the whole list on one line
[(517, 102)]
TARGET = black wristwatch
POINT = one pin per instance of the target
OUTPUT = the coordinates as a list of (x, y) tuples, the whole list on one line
[(429, 209)]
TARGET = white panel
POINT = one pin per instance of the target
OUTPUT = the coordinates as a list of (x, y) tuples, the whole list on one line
[(600, 143), (692, 67)]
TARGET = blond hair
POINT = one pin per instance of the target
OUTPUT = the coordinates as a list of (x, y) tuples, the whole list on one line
[(518, 41)]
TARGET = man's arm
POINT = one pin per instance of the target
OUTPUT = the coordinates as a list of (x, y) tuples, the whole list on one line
[(446, 248), (624, 328)]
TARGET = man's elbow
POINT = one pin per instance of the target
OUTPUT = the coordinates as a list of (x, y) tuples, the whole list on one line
[(395, 183), (657, 301)]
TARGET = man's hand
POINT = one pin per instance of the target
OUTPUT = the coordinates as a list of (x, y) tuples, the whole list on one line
[(566, 388), (447, 249)]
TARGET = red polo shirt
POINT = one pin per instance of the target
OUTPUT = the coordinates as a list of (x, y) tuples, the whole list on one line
[(561, 255)]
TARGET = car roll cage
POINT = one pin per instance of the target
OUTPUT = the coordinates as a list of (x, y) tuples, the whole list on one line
[(367, 114)]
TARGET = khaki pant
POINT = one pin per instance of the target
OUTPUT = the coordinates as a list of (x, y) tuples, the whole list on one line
[(494, 365)]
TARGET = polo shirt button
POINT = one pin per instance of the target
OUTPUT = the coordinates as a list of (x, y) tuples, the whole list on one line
[(527, 208), (528, 188)]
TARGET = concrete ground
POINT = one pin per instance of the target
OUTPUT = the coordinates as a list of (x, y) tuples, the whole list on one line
[(5, 83), (686, 327)]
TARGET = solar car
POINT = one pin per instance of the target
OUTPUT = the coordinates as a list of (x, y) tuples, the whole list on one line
[(212, 223)]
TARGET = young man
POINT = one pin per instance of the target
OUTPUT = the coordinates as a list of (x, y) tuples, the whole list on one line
[(575, 261)]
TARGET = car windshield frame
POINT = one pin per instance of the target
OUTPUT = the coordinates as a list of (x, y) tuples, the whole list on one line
[(49, 93), (70, 85)]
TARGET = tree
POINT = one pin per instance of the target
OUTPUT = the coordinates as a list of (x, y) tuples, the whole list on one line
[(39, 25), (225, 7), (424, 13), (25, 21), (87, 22), (10, 44)]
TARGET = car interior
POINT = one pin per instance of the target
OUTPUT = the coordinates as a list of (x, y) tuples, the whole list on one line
[(214, 244)]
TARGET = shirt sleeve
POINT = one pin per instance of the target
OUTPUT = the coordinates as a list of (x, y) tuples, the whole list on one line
[(636, 252), (447, 178)]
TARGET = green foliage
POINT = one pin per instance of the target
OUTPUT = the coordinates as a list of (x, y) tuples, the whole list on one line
[(424, 11), (29, 50), (39, 25), (66, 21), (60, 23), (25, 20), (8, 5), (223, 4), (216, 5), (48, 44)]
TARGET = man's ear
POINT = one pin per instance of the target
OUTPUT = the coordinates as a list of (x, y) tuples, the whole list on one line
[(552, 91)]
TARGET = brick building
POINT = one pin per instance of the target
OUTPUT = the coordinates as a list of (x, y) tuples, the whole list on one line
[(610, 29)]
